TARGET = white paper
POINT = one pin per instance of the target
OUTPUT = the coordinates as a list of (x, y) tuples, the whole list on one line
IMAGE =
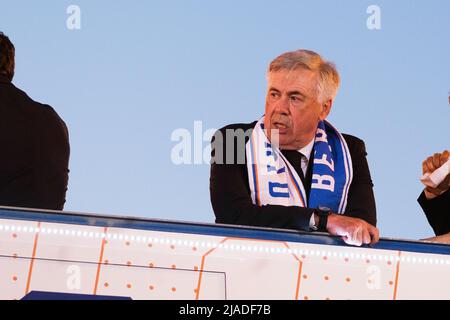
[(436, 178)]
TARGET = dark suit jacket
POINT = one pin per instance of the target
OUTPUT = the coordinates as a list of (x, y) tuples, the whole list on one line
[(34, 144), (232, 203), (437, 211)]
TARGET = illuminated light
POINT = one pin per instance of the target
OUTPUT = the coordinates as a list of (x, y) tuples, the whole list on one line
[(289, 251), (179, 242), (73, 233), (132, 238), (306, 252), (225, 246), (55, 231), (1, 227), (79, 233), (67, 232), (120, 237), (208, 245), (202, 244), (6, 228), (408, 259), (91, 234), (61, 232), (103, 235), (19, 229), (126, 238), (266, 250), (272, 250), (185, 243), (238, 247), (414, 260), (335, 254), (397, 259), (25, 229), (214, 245), (85, 234), (231, 247), (97, 235), (13, 228), (278, 250)]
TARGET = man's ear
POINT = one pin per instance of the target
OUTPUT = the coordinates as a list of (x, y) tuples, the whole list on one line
[(326, 108)]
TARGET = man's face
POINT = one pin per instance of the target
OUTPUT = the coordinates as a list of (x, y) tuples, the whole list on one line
[(292, 107)]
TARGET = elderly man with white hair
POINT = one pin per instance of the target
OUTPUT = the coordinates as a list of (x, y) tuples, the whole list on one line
[(292, 169)]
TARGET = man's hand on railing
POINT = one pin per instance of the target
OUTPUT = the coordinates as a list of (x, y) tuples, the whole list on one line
[(353, 231)]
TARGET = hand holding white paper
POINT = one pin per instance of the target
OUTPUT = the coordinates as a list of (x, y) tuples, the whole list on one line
[(434, 179)]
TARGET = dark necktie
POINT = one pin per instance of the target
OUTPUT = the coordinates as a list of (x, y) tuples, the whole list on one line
[(295, 159)]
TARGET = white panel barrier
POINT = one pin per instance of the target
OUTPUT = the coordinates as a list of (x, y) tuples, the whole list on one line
[(151, 259)]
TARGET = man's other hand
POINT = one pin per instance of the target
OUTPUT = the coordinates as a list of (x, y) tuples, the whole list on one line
[(429, 166)]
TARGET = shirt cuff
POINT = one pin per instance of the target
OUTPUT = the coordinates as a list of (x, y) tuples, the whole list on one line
[(312, 223)]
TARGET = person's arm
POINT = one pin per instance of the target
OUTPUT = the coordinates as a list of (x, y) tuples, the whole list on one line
[(361, 200), (435, 201), (52, 152), (232, 203), (437, 211)]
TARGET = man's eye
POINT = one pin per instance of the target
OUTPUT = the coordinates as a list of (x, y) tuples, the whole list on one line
[(296, 99), (274, 95)]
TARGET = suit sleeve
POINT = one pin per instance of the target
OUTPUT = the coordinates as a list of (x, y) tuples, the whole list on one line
[(361, 199), (437, 211), (232, 203), (52, 164)]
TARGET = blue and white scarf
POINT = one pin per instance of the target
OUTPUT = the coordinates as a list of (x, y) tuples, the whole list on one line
[(273, 180)]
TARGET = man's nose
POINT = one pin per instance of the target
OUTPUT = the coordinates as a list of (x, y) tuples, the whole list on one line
[(282, 105)]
